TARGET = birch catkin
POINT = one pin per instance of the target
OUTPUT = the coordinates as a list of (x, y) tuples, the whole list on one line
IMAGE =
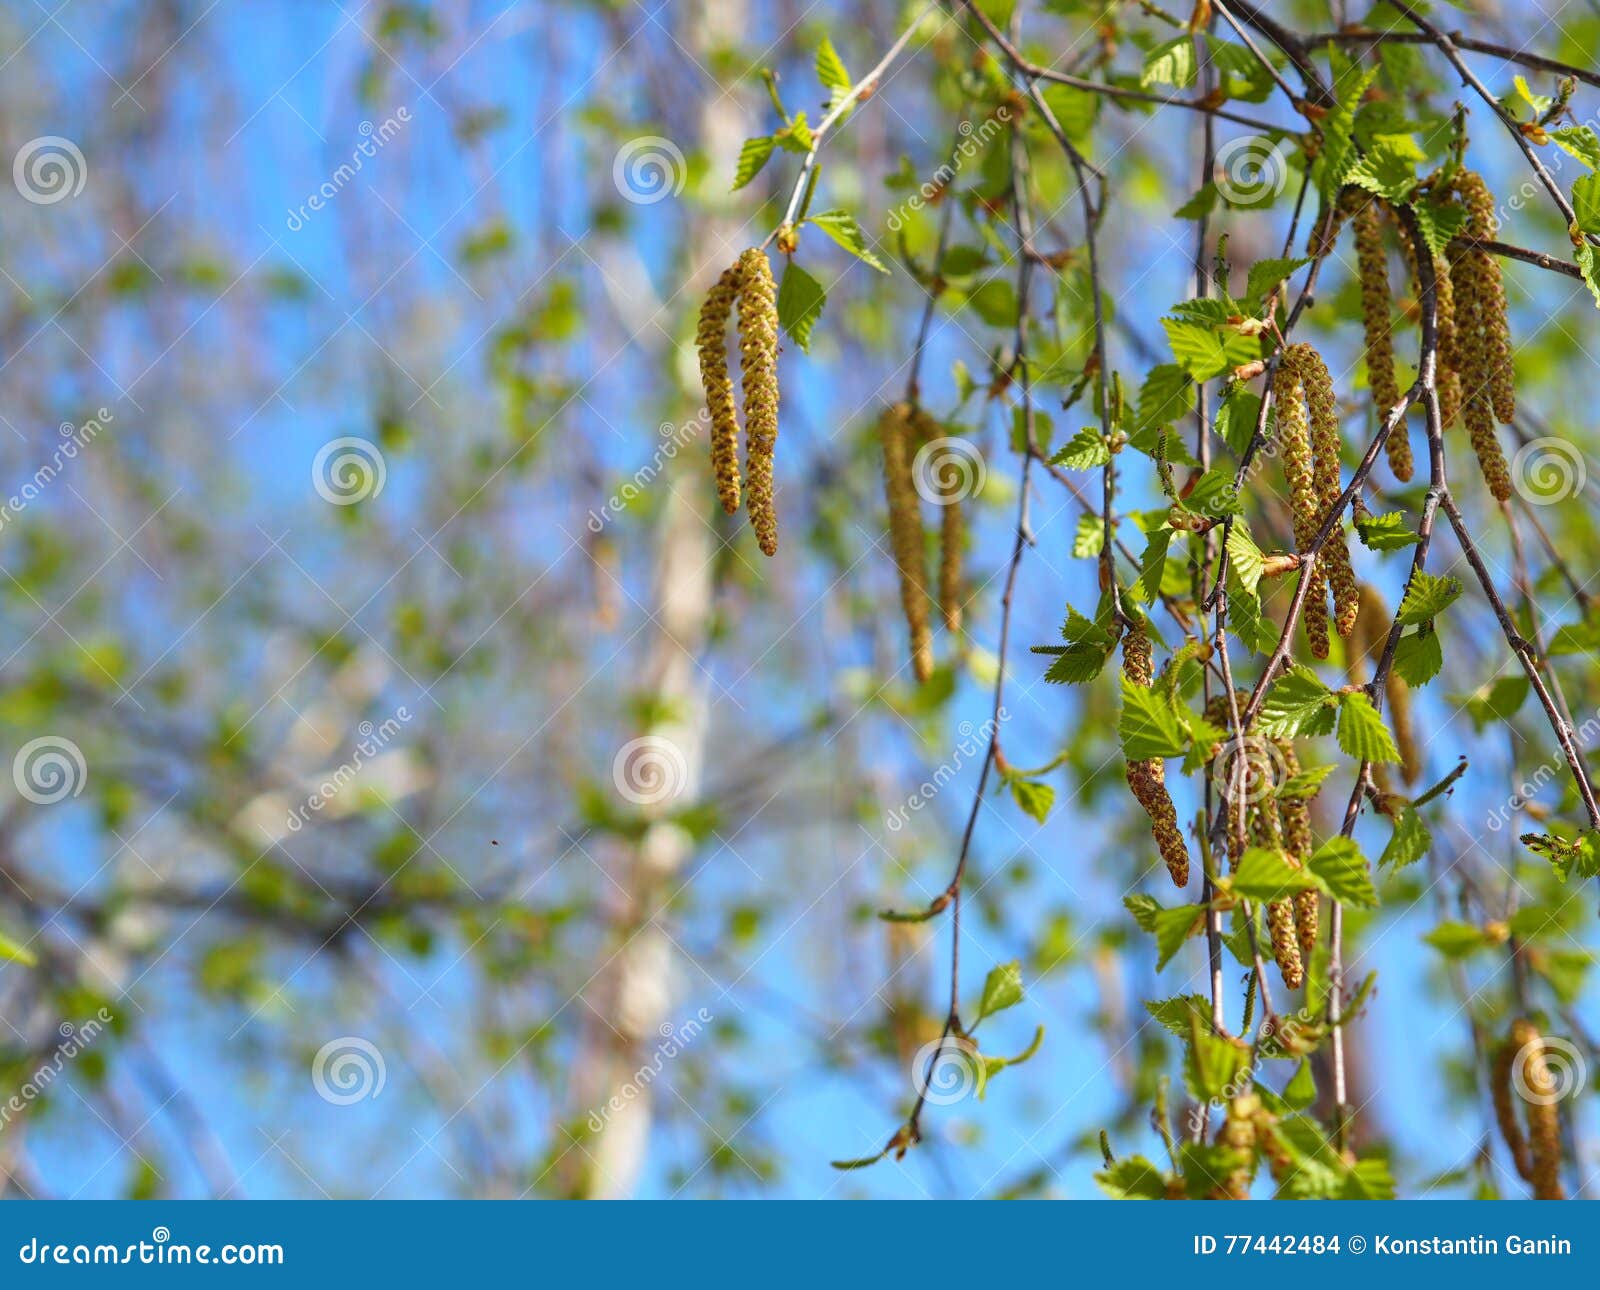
[(1294, 435), (1297, 841), (952, 528), (1377, 308), (1537, 1155), (711, 341), (758, 365), (1482, 339), (1148, 778), (905, 533)]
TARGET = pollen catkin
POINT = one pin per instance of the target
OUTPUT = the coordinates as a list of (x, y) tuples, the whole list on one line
[(1297, 841), (1148, 778), (1377, 308), (1285, 947), (1238, 1134), (905, 533), (758, 365), (1537, 1155), (952, 530), (711, 340), (1325, 444), (1482, 339), (1295, 441)]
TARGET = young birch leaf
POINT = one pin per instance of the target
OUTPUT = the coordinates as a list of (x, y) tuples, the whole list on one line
[(1341, 871), (1149, 724), (1427, 597), (752, 157), (1362, 733), (1418, 657), (841, 226), (800, 301), (1002, 989)]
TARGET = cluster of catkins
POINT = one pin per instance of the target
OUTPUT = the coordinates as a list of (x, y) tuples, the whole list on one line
[(903, 429), (1536, 1153), (747, 283), (1474, 376), (1308, 434), (1248, 1128), (1148, 777), (1262, 815)]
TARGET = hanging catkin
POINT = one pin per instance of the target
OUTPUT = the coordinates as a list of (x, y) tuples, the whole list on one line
[(1377, 308), (1482, 339), (1294, 438), (758, 365), (905, 533), (1148, 778), (1295, 813), (952, 528), (1537, 1155), (711, 341), (1285, 946), (1325, 444), (1238, 1134)]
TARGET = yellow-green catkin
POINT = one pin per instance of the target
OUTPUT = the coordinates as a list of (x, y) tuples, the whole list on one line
[(1325, 445), (905, 533), (758, 365), (1483, 339), (1295, 813), (1294, 439), (952, 530), (711, 341), (1537, 1155), (1377, 310), (1148, 778), (1238, 1135), (1285, 945)]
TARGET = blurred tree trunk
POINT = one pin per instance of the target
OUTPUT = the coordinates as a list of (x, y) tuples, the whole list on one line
[(631, 998)]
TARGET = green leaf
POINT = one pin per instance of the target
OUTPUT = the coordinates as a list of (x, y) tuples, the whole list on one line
[(1586, 202), (1301, 1091), (1133, 1178), (1165, 397), (1439, 223), (1213, 1064), (1175, 1014), (1035, 798), (1338, 147), (1497, 701), (1244, 556), (1409, 842), (841, 226), (1427, 597), (1297, 704), (800, 301), (11, 952), (1386, 169), (1387, 532), (1581, 141), (1341, 869), (1002, 989), (1418, 658), (1170, 927), (1086, 450), (1362, 733), (1304, 785), (1584, 254), (830, 68), (996, 303), (752, 157), (1170, 64), (1266, 274), (1265, 874), (1090, 539), (796, 136), (1456, 940), (989, 1065), (1206, 350), (1148, 725), (1236, 418)]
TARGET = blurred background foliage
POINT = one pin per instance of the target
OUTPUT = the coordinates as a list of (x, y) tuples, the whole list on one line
[(502, 303)]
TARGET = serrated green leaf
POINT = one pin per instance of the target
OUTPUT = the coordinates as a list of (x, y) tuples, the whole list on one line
[(1265, 874), (841, 226), (1245, 558), (1148, 725), (800, 302), (1342, 872), (1266, 274), (1457, 940), (1409, 842), (1297, 704), (1581, 141), (1176, 1013), (1418, 657), (1086, 450), (1170, 927), (1362, 733), (1301, 1091), (1002, 989), (830, 68), (1172, 63), (1132, 1178), (1387, 532), (1427, 597), (752, 157), (1033, 797)]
